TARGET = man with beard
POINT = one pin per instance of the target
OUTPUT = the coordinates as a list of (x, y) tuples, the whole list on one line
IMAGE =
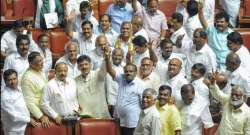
[(86, 38), (70, 59), (165, 55), (90, 89), (130, 90), (236, 114), (194, 113), (119, 11), (110, 84), (169, 114), (217, 36), (146, 74)]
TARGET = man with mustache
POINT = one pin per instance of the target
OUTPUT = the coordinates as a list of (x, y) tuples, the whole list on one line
[(130, 90), (86, 38), (236, 114), (60, 96), (217, 36)]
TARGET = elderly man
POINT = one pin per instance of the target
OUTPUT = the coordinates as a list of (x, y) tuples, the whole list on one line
[(19, 60), (86, 38), (33, 83), (90, 89), (217, 36), (169, 114), (236, 114), (237, 75), (130, 90), (137, 27), (154, 20), (119, 11), (70, 59), (60, 96), (194, 113), (97, 54), (111, 85), (149, 122), (235, 44), (146, 74), (175, 78), (14, 113)]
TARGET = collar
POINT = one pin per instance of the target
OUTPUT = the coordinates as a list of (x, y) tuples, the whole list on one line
[(132, 82), (59, 82), (236, 72), (154, 14), (179, 75), (149, 109), (18, 56), (202, 50), (123, 8), (149, 77), (226, 31), (198, 81)]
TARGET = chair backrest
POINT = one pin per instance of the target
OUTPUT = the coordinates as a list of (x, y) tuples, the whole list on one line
[(246, 8), (23, 8), (58, 41), (99, 127), (168, 7), (52, 130)]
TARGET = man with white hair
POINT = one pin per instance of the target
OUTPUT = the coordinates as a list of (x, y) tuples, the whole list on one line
[(236, 114), (70, 58), (149, 121)]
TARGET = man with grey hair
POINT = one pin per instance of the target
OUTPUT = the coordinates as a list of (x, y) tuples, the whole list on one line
[(70, 58), (149, 121), (236, 114)]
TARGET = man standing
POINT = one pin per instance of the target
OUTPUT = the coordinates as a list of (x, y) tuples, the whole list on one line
[(130, 90), (59, 96), (33, 83)]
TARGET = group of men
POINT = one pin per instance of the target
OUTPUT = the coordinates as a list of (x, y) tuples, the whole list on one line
[(124, 67)]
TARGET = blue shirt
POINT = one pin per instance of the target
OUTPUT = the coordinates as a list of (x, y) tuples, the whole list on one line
[(218, 42), (119, 15), (128, 106)]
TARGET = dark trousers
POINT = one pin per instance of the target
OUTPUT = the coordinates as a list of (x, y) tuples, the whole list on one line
[(127, 131)]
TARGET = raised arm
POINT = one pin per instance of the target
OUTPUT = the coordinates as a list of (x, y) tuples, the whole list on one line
[(201, 16), (109, 68), (69, 19), (134, 5), (152, 53)]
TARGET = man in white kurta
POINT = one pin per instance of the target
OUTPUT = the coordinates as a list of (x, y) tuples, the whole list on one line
[(91, 90), (14, 113), (59, 96)]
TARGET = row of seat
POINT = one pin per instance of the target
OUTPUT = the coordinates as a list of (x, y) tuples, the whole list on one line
[(18, 9)]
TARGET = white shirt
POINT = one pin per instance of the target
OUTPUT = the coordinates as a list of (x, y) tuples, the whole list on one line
[(152, 81), (176, 83), (241, 77), (128, 105), (205, 56), (8, 42), (73, 70), (14, 113), (73, 5), (191, 25), (244, 55), (47, 59), (138, 57), (194, 116), (232, 7), (60, 98), (84, 46), (201, 88), (208, 11), (77, 23), (142, 32), (112, 86), (96, 58), (111, 36), (17, 62), (162, 65), (149, 122)]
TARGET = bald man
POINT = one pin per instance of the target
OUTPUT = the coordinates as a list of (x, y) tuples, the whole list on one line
[(137, 27), (175, 79)]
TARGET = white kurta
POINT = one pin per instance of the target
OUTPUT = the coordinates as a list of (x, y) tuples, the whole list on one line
[(14, 113), (91, 94)]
